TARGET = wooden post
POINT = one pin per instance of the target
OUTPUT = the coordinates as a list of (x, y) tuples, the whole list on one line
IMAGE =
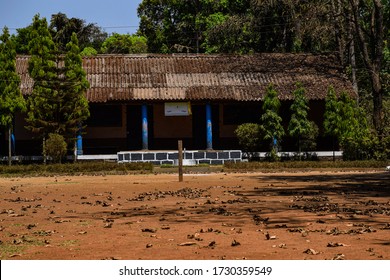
[(180, 144)]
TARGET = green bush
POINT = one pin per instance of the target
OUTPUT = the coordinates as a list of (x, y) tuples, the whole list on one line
[(249, 136), (55, 147)]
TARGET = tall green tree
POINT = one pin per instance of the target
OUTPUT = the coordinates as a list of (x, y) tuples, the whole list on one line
[(237, 26), (354, 137), (345, 121), (74, 109), (181, 26), (299, 125), (271, 121), (11, 99), (57, 103), (332, 117), (89, 35), (43, 70), (61, 29)]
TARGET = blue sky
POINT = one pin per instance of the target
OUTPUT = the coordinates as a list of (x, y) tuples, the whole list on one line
[(118, 16)]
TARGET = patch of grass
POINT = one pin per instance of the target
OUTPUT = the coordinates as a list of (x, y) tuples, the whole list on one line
[(79, 168), (84, 223), (269, 166), (69, 243), (8, 249), (203, 165)]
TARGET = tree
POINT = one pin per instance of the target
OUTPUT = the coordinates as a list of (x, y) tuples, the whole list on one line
[(22, 39), (88, 51), (370, 29), (124, 44), (354, 131), (347, 122), (332, 117), (62, 28), (74, 106), (237, 26), (299, 125), (43, 70), (271, 122), (57, 103), (180, 26), (11, 99)]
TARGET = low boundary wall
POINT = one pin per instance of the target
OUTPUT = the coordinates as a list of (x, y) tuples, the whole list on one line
[(189, 157)]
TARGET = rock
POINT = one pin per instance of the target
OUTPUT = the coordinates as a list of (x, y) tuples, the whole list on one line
[(30, 226), (187, 244), (331, 244), (339, 257), (311, 252), (149, 230), (108, 225), (235, 243)]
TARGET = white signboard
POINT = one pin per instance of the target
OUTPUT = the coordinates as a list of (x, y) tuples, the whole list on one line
[(177, 109)]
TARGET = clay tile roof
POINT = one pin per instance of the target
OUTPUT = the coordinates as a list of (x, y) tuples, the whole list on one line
[(203, 77)]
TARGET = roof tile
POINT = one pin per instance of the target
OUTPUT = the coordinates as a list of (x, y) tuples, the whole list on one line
[(203, 77)]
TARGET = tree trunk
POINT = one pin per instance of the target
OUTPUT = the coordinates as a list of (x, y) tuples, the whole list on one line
[(372, 52), (352, 56), (377, 91), (339, 29), (353, 66)]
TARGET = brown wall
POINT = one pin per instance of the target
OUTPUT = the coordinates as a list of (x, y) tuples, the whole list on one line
[(170, 127)]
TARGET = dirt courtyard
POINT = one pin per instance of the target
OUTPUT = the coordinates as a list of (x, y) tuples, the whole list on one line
[(273, 216)]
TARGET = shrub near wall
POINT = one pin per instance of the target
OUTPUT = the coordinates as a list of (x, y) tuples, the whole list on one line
[(248, 135)]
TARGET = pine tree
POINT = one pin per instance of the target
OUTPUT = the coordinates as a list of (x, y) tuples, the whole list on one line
[(271, 122), (57, 104), (74, 108), (42, 68), (11, 99), (299, 125)]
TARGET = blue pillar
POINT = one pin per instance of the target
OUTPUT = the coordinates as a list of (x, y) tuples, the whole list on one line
[(13, 144), (145, 127), (79, 145), (209, 127)]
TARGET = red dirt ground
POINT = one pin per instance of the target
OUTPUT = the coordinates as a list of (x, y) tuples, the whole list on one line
[(283, 216)]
